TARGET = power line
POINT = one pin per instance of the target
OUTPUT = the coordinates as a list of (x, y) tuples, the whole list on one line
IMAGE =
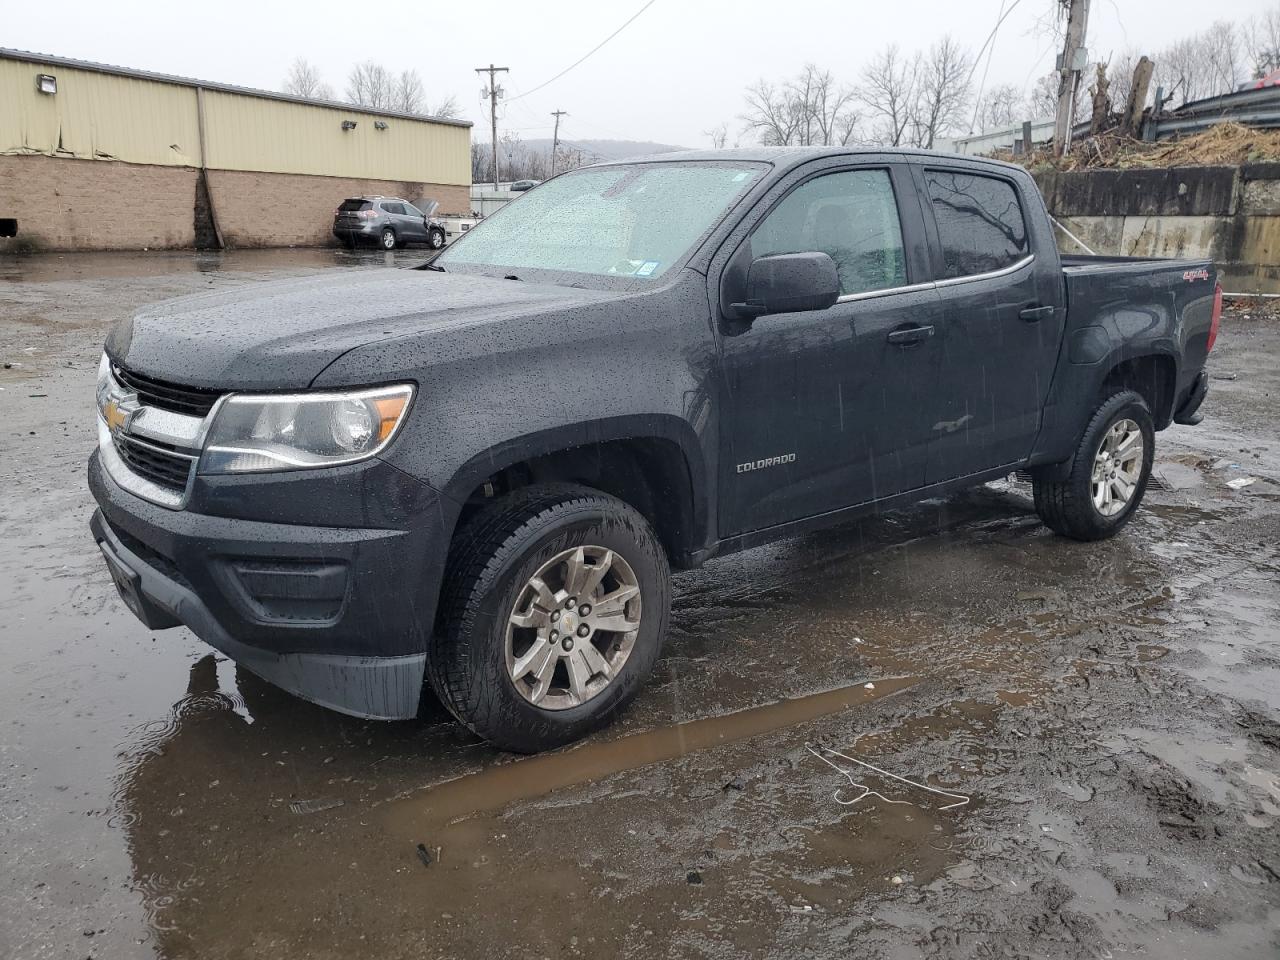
[(587, 54)]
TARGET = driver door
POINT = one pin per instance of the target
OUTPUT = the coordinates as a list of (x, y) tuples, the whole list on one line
[(824, 409)]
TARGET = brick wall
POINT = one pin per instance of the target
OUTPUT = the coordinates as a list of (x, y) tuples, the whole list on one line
[(67, 204), (285, 209)]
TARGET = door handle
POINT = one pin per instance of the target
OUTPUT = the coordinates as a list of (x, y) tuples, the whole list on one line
[(910, 335), (1036, 314)]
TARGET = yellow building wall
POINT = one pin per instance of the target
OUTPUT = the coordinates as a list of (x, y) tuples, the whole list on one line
[(107, 117), (97, 116), (274, 136)]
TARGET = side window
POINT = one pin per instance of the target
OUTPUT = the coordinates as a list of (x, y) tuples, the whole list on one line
[(393, 208), (852, 217), (412, 211), (979, 220)]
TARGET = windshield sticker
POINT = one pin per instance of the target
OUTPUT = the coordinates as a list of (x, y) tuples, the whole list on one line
[(646, 269), (742, 176)]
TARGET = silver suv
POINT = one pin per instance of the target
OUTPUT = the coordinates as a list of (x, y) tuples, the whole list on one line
[(388, 221)]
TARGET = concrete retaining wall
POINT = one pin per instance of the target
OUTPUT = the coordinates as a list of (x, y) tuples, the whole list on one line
[(1230, 214), (62, 203)]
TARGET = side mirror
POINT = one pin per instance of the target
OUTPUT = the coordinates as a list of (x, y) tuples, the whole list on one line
[(789, 283)]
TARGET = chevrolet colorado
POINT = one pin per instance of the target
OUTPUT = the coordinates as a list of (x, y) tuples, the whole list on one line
[(475, 475)]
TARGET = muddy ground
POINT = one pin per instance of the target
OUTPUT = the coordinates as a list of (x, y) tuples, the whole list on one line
[(1110, 711)]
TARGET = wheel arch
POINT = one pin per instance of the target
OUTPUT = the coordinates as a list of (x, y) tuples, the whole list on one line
[(1153, 376), (654, 463)]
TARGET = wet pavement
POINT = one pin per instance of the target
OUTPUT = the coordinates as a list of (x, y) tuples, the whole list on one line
[(1111, 711)]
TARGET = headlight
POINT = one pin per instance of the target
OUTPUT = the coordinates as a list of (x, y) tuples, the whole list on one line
[(106, 382), (287, 432)]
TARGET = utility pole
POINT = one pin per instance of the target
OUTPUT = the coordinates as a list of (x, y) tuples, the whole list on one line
[(1069, 72), (493, 92), (555, 138)]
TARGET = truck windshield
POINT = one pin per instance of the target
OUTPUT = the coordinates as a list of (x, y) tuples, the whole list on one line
[(635, 220)]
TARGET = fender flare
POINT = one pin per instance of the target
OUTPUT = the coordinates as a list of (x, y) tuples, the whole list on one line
[(663, 427)]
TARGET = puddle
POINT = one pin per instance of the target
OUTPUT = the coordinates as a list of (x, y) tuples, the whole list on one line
[(496, 787)]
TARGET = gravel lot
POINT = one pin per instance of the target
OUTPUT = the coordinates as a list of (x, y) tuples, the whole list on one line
[(1112, 712)]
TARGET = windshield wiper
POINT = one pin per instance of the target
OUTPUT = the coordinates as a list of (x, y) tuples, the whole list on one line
[(432, 266), (510, 276)]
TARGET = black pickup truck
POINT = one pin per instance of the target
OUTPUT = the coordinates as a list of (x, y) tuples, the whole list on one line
[(476, 474)]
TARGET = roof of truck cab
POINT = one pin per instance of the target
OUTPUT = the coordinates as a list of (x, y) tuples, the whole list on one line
[(786, 157)]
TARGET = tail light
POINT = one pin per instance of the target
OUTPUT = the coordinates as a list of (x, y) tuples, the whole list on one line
[(367, 214), (1216, 320)]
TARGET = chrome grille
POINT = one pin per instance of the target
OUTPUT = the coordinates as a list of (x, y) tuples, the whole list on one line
[(156, 462)]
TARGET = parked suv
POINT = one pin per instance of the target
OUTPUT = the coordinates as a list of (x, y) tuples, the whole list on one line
[(388, 221), (478, 473)]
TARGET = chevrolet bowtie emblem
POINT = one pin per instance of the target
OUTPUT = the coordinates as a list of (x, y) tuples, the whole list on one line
[(114, 416)]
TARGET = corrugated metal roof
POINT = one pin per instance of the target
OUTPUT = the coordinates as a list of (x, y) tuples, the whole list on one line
[(27, 56)]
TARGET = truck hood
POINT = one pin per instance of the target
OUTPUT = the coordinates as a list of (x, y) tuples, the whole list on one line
[(280, 335)]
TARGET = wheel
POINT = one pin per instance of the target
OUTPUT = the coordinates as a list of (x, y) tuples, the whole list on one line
[(555, 606), (1109, 472), (435, 238), (388, 239)]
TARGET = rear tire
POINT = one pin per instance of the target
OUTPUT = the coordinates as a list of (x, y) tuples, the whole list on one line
[(1108, 477), (475, 658), (388, 239)]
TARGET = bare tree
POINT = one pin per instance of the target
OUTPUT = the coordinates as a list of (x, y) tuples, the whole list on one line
[(371, 84), (942, 91), (1260, 37), (770, 114), (1203, 65), (1224, 57), (810, 109), (1003, 106), (446, 109), (888, 93), (718, 135), (1044, 96), (304, 80), (407, 94), (828, 107)]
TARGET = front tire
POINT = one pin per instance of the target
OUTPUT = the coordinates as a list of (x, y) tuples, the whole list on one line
[(1108, 475), (435, 239), (555, 606)]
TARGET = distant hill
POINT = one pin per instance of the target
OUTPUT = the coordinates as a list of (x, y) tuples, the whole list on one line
[(606, 149)]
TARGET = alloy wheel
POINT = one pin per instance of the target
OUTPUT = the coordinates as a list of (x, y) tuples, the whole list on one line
[(573, 627), (1117, 468)]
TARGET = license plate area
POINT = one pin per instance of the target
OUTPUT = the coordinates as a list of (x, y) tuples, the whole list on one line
[(126, 580)]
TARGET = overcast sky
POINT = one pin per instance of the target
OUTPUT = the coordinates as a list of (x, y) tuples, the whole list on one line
[(674, 73)]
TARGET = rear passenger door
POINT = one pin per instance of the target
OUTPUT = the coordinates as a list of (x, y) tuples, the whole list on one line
[(1001, 325)]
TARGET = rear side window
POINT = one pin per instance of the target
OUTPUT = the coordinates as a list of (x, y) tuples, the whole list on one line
[(349, 206), (852, 217), (979, 220), (396, 208)]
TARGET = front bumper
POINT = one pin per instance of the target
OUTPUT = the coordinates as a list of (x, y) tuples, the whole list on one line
[(323, 582)]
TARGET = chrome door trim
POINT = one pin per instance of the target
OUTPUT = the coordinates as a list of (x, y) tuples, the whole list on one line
[(990, 275)]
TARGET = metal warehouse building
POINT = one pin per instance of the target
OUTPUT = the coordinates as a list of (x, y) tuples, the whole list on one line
[(96, 157)]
